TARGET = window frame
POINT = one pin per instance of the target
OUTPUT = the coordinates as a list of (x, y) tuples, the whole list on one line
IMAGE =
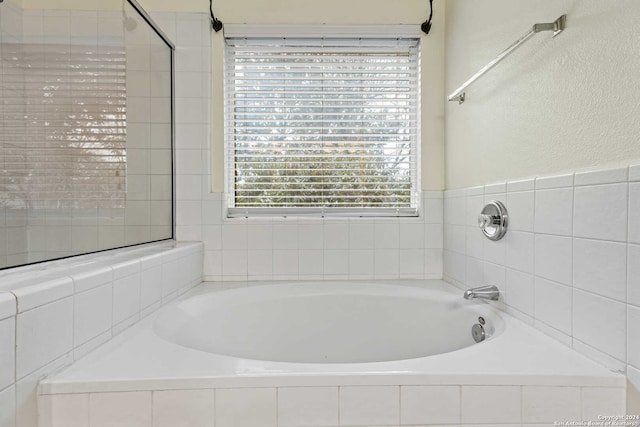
[(415, 193)]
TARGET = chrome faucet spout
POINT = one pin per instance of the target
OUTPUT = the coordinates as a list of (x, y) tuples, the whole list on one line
[(483, 292)]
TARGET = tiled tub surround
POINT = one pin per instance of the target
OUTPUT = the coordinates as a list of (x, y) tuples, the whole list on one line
[(323, 248), (568, 264), (279, 248), (55, 313), (521, 377)]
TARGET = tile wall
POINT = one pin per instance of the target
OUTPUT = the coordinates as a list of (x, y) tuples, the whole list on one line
[(52, 314), (78, 198), (568, 264), (506, 406), (281, 248)]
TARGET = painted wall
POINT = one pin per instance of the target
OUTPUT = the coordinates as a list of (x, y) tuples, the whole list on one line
[(556, 104)]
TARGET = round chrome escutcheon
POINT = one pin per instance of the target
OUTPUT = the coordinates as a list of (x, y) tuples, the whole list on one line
[(477, 331)]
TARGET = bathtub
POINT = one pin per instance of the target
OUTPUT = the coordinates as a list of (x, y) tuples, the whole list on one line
[(330, 354), (326, 322)]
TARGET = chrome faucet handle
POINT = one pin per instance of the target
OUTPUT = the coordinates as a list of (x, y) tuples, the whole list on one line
[(485, 220)]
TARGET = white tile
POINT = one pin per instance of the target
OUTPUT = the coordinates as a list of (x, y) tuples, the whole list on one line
[(361, 262), (7, 351), (495, 275), (212, 212), (604, 176), (549, 404), (433, 236), (285, 262), (246, 407), (26, 391), (63, 410), (553, 333), (598, 401), (8, 305), (554, 211), (92, 313), (633, 390), (430, 404), (634, 212), (310, 235), (188, 31), (455, 238), (151, 284), (307, 406), (495, 251), (120, 409), (520, 208), (188, 85), (310, 262), (554, 258), (411, 262), (183, 408), (520, 249), (212, 237), (433, 263), (600, 322), (43, 334), (521, 185), (43, 293), (8, 407), (386, 262), (600, 267), (361, 235), (212, 263), (553, 303), (633, 336), (386, 235), (125, 268), (336, 235), (411, 236), (455, 210), (260, 236), (370, 406), (634, 173), (260, 263), (479, 404), (600, 212), (336, 263), (234, 237), (474, 272), (433, 211), (633, 275), (285, 236), (475, 242), (599, 356), (554, 181), (474, 206), (83, 349), (188, 187), (496, 188), (520, 291), (126, 298)]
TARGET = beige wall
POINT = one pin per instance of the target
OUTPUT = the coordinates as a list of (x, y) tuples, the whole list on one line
[(556, 104)]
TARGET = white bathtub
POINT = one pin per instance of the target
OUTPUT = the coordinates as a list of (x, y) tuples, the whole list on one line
[(300, 354), (326, 322)]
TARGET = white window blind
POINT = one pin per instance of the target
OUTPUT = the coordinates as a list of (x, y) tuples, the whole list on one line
[(324, 125)]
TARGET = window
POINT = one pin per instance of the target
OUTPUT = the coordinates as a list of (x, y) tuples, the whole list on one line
[(322, 126)]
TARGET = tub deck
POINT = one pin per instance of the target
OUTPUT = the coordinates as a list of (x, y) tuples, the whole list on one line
[(138, 359)]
